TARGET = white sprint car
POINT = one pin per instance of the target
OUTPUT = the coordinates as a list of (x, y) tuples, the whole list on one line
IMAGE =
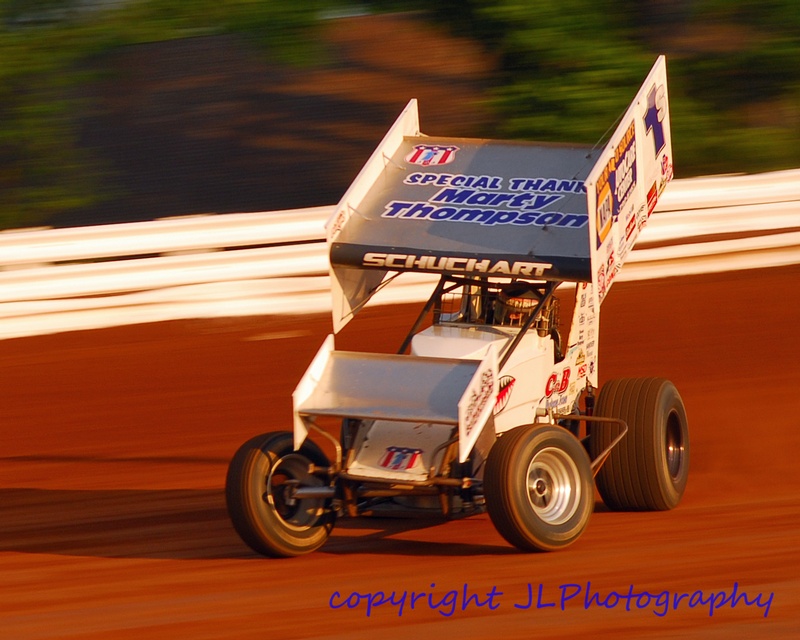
[(486, 408)]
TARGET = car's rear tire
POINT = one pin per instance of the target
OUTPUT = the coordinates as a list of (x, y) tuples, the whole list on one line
[(649, 468), (256, 493), (538, 487)]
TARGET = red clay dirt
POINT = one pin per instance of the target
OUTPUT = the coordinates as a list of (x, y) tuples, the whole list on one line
[(115, 446)]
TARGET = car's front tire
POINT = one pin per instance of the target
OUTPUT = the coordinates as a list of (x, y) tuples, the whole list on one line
[(538, 487), (258, 496)]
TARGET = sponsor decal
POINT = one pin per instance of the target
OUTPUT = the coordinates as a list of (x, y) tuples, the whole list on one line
[(411, 210), (601, 282), (582, 370), (432, 154), (399, 458), (655, 115), (548, 185), (478, 400), (616, 183), (611, 272), (506, 384), (666, 168), (652, 199), (454, 264), (495, 183), (338, 222), (629, 230), (454, 180), (488, 200), (605, 209), (556, 384)]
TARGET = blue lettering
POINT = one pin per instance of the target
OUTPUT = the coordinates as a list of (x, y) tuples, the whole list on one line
[(676, 600), (481, 197), (474, 599), (416, 596), (457, 196), (520, 200), (528, 217), (698, 599), (539, 603), (401, 605), (552, 185), (500, 198), (654, 121), (532, 185), (335, 594), (543, 201), (449, 600), (395, 207), (662, 600), (572, 186), (470, 215), (501, 217), (576, 589), (443, 213), (419, 210), (573, 220), (371, 601), (589, 600)]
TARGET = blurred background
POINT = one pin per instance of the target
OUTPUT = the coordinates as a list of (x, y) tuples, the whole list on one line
[(125, 110)]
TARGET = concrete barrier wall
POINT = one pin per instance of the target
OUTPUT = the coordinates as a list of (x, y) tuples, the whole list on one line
[(276, 263)]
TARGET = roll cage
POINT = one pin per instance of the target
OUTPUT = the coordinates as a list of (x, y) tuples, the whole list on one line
[(463, 300)]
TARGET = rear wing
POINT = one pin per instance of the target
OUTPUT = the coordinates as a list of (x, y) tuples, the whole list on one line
[(498, 208)]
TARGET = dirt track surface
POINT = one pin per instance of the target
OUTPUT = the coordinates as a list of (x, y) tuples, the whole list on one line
[(115, 446)]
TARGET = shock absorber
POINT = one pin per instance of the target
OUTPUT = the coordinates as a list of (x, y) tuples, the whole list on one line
[(589, 408)]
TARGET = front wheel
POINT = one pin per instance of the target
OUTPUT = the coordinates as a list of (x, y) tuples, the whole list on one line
[(538, 487), (258, 492)]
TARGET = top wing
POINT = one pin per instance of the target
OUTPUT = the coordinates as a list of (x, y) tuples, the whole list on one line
[(498, 208)]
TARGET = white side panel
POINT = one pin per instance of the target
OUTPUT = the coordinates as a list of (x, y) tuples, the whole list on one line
[(351, 288), (522, 382), (477, 403), (625, 184), (569, 377), (305, 388), (400, 451)]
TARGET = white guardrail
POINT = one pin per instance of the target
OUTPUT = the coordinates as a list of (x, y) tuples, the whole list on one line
[(276, 263)]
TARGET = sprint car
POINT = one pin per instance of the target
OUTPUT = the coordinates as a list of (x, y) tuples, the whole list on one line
[(484, 407)]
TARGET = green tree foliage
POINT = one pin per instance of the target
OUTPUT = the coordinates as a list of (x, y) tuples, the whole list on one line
[(569, 68), (43, 170)]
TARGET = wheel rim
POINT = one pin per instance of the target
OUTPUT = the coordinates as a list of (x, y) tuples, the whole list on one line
[(554, 487), (674, 445), (290, 472)]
